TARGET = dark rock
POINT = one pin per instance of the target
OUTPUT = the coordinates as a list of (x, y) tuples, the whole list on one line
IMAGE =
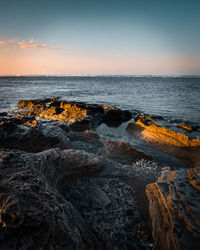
[(34, 215), (32, 139), (126, 115), (86, 136), (114, 115), (81, 125), (3, 113), (7, 128), (122, 152)]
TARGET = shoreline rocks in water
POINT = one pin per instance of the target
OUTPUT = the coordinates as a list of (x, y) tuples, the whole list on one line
[(64, 187)]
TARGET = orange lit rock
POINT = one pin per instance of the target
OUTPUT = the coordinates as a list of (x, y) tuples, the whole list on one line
[(60, 111), (154, 132), (185, 127), (174, 208), (166, 140)]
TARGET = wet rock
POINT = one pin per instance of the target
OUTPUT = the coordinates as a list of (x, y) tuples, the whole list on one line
[(174, 208)]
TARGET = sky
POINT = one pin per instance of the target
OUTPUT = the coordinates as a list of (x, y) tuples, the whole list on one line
[(112, 37)]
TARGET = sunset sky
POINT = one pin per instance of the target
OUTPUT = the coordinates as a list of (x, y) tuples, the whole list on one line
[(80, 37)]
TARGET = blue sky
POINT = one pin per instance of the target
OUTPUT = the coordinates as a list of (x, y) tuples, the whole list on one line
[(162, 36)]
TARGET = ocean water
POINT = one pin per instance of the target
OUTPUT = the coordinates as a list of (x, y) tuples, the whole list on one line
[(170, 97)]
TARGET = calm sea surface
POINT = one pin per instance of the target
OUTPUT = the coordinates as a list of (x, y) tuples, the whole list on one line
[(170, 97)]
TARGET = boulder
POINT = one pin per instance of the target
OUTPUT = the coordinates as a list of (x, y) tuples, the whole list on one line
[(126, 115)]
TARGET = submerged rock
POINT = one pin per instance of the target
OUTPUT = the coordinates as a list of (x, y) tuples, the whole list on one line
[(174, 208)]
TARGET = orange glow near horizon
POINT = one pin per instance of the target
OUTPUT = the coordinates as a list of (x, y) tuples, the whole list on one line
[(31, 58)]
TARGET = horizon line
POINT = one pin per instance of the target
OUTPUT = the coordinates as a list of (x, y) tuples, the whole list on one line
[(101, 75)]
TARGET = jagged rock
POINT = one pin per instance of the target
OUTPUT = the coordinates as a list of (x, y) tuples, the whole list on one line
[(174, 208), (67, 112), (122, 152), (82, 116), (33, 214)]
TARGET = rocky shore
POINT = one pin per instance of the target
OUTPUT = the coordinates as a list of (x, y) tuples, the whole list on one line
[(65, 186)]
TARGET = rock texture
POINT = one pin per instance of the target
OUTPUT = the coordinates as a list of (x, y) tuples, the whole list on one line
[(174, 208), (122, 152), (34, 138), (82, 115), (166, 140), (63, 186), (33, 214)]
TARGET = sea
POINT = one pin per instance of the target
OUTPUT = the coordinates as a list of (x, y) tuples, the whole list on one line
[(174, 98)]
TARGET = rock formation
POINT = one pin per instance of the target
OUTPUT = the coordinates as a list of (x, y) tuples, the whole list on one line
[(166, 140), (63, 186), (174, 208), (122, 152), (33, 214)]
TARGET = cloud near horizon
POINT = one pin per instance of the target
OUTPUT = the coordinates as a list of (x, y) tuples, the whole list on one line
[(32, 45), (28, 45)]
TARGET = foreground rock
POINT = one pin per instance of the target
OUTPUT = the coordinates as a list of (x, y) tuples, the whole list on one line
[(79, 190), (174, 208), (33, 214), (53, 200)]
